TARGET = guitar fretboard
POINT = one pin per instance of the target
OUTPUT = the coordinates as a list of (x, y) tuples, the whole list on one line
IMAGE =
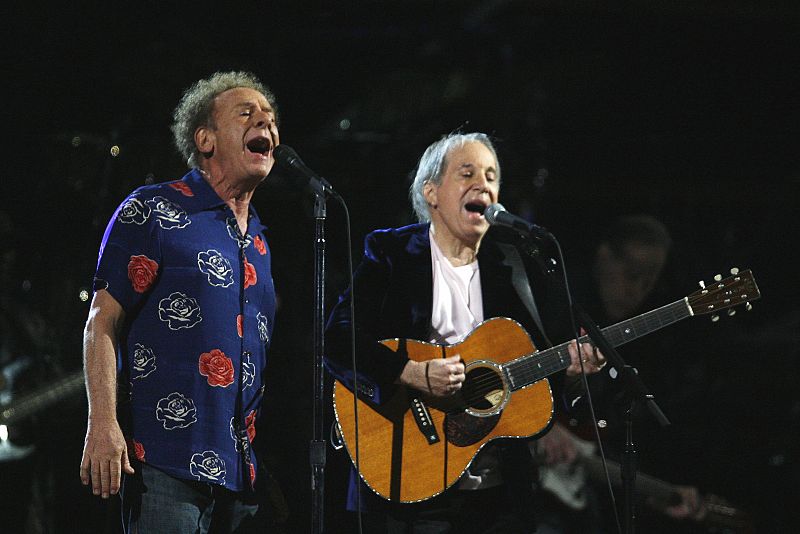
[(531, 368)]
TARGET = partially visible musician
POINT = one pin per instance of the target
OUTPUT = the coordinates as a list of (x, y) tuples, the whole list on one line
[(28, 358), (628, 262), (436, 281)]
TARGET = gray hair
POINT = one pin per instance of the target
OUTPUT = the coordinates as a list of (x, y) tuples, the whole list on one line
[(196, 108), (433, 162)]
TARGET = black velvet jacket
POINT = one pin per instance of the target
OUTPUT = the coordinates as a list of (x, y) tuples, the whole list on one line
[(394, 299)]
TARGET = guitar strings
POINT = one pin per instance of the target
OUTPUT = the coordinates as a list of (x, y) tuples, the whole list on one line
[(536, 366), (477, 388)]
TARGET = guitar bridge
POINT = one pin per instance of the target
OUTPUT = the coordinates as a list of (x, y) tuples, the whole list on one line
[(424, 422)]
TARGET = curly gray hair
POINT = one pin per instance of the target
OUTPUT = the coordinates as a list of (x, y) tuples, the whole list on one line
[(433, 162), (196, 107)]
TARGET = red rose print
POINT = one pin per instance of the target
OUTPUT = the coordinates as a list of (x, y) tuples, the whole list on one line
[(259, 244), (239, 325), (183, 187), (250, 277), (142, 272), (217, 367), (135, 449), (250, 423)]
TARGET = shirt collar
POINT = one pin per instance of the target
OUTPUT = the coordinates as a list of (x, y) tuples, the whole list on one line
[(203, 195), (205, 198)]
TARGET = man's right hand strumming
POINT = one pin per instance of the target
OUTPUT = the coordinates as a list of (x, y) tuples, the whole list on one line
[(440, 377)]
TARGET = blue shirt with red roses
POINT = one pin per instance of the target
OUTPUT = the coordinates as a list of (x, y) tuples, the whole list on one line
[(199, 307)]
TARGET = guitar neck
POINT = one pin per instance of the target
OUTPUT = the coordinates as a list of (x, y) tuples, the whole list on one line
[(34, 402), (531, 368), (645, 484)]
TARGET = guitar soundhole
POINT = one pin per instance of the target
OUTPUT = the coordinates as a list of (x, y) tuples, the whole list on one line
[(483, 389), (480, 401)]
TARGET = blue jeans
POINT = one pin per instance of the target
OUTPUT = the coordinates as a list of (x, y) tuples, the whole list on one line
[(154, 502)]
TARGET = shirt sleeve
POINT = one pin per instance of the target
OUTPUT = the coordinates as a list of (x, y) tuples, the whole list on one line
[(129, 262)]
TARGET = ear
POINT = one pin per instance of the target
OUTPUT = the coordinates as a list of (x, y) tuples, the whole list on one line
[(205, 140), (429, 192)]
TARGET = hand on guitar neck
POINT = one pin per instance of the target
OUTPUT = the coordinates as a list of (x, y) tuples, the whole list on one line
[(689, 505)]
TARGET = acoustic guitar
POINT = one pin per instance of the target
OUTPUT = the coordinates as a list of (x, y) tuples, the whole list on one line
[(414, 446)]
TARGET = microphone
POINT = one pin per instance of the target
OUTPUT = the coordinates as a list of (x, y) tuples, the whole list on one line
[(288, 158), (497, 214)]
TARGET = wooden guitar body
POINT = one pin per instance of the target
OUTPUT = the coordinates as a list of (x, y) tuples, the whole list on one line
[(399, 460)]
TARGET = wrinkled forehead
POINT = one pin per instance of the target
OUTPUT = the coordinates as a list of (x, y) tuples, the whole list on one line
[(469, 154), (241, 96)]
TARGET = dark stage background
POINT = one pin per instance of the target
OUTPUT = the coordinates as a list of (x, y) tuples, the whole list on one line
[(684, 110)]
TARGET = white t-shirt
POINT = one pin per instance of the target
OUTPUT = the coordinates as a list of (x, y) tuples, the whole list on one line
[(457, 310)]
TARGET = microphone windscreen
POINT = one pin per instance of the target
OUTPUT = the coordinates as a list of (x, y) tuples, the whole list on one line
[(491, 211), (285, 155)]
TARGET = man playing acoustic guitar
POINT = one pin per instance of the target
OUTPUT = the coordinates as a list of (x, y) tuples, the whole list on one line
[(440, 281)]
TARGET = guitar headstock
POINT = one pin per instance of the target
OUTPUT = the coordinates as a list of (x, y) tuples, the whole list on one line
[(739, 288)]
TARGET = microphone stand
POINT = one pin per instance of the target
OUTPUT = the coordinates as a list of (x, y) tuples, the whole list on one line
[(317, 448), (636, 391), (633, 385), (288, 158)]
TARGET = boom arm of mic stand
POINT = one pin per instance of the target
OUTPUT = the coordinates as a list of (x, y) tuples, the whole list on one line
[(630, 379), (636, 390)]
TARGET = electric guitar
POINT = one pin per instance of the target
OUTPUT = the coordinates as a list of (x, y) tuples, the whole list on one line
[(567, 482), (14, 410), (414, 446), (35, 401)]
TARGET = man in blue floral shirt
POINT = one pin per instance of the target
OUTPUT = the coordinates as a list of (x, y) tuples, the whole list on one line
[(181, 320)]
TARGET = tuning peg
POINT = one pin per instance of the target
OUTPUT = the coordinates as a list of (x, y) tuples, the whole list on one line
[(748, 306), (714, 318), (717, 277), (702, 284), (731, 312), (734, 270)]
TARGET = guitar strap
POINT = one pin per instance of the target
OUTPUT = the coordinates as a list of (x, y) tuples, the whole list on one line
[(521, 283)]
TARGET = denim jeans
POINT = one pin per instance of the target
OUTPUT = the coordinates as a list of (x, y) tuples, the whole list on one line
[(154, 502)]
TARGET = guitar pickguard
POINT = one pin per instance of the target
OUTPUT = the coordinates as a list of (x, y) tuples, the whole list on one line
[(463, 429)]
